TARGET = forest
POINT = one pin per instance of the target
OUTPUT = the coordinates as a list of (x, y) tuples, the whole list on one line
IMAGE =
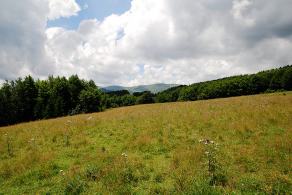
[(26, 99)]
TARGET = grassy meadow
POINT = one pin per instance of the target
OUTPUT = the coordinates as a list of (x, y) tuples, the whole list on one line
[(238, 145)]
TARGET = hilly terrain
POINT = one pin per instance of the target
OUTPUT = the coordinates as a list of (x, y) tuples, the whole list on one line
[(239, 145), (26, 99), (155, 88)]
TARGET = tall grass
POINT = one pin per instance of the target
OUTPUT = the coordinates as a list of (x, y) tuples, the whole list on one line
[(155, 149)]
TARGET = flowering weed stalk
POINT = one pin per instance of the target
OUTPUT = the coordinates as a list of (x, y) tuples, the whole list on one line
[(214, 168), (9, 145), (66, 133)]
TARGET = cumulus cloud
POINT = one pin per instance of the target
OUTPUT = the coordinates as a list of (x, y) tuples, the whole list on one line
[(159, 41), (62, 8), (22, 39), (180, 42), (23, 36), (238, 11)]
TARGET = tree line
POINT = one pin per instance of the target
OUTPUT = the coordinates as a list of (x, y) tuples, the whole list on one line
[(279, 79), (28, 99)]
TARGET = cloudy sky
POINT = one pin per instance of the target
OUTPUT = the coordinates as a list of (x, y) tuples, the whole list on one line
[(130, 42)]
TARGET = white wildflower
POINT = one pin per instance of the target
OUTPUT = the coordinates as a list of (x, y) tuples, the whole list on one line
[(206, 141), (62, 172)]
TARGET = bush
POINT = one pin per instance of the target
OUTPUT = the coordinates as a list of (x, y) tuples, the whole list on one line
[(146, 98)]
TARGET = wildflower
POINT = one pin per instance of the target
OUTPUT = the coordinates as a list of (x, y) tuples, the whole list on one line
[(31, 140), (62, 172), (206, 141)]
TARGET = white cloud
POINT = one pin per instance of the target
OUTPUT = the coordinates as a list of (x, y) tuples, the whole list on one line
[(238, 10), (62, 8), (179, 42), (22, 39), (155, 41)]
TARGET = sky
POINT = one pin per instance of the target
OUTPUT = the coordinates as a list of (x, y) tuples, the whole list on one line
[(133, 42), (89, 9)]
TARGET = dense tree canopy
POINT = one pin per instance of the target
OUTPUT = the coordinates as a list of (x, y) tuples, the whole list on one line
[(27, 99), (146, 98), (265, 81)]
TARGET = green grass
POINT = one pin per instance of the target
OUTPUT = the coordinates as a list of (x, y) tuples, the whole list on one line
[(155, 149)]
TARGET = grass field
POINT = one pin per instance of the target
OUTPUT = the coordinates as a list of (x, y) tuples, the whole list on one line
[(233, 145)]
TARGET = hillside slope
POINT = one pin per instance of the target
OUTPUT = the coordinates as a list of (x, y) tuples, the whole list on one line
[(155, 149), (155, 88)]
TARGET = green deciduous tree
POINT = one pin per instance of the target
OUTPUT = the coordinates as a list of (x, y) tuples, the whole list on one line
[(90, 100)]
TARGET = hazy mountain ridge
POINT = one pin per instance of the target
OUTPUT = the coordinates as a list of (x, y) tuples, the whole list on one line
[(154, 88)]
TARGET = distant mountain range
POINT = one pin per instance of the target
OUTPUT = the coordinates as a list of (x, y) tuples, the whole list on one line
[(155, 88)]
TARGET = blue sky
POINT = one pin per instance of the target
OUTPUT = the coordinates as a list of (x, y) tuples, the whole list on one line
[(98, 9)]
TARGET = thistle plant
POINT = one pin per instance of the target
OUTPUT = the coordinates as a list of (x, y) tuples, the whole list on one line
[(214, 168), (33, 144), (66, 134), (67, 139), (9, 145)]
